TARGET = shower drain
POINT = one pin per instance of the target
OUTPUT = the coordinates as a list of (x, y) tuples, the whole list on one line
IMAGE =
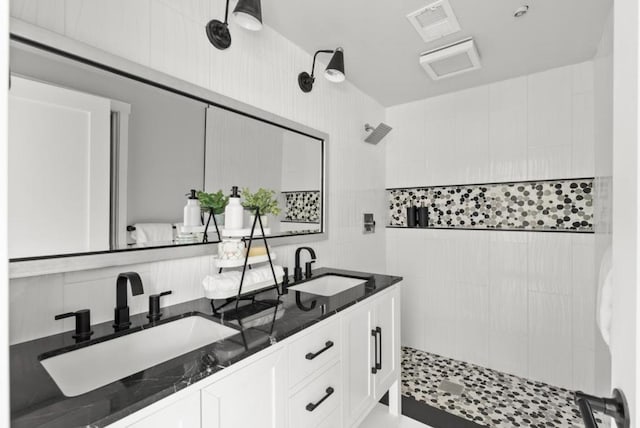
[(451, 387)]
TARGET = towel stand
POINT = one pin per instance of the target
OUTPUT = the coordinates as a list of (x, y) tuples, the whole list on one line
[(133, 228)]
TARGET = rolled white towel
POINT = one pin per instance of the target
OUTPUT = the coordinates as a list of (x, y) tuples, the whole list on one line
[(153, 232), (229, 281)]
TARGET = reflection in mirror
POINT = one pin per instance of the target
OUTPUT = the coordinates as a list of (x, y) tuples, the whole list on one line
[(112, 157), (253, 154)]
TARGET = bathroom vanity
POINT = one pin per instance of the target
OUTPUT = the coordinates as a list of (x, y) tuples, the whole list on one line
[(313, 361)]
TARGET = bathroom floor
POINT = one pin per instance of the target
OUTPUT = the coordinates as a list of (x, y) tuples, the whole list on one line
[(486, 397)]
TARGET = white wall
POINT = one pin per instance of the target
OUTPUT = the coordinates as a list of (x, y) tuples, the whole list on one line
[(519, 302), (259, 69), (603, 192)]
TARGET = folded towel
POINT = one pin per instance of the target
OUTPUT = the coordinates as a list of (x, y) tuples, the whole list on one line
[(153, 232), (229, 281)]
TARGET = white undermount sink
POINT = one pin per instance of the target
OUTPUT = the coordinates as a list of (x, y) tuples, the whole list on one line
[(86, 369), (328, 285)]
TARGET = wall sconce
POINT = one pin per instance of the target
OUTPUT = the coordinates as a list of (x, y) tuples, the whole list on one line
[(247, 14), (334, 71)]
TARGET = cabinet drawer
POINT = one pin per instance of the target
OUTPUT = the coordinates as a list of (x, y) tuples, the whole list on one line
[(317, 400), (334, 420), (312, 351)]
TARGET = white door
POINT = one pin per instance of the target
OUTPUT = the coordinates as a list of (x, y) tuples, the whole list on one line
[(357, 363), (254, 396), (626, 215), (59, 146), (386, 314)]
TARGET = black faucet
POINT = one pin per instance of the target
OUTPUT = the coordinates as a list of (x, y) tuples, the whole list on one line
[(297, 271), (154, 306), (121, 312), (83, 324)]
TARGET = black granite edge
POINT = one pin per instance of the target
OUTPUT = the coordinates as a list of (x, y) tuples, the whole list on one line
[(494, 183), (150, 385), (429, 415), (492, 229)]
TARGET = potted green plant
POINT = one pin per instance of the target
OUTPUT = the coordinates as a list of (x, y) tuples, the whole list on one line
[(264, 200), (214, 203)]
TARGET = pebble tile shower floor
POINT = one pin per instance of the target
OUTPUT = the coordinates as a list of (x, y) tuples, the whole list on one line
[(490, 398)]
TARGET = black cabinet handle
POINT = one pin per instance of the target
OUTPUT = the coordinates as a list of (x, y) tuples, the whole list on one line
[(311, 355), (379, 331), (376, 364), (311, 406), (615, 407)]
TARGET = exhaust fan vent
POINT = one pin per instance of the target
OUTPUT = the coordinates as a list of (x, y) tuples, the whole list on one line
[(434, 21), (451, 60)]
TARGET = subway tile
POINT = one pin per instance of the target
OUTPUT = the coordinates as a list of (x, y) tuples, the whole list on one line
[(49, 14), (178, 45), (508, 130), (584, 290), (550, 349), (549, 162), (33, 304), (583, 77), (472, 323), (584, 370), (583, 145), (549, 108), (120, 27), (509, 353), (549, 263)]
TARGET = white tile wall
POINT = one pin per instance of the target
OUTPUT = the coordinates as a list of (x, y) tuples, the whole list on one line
[(520, 302), (534, 127), (259, 69)]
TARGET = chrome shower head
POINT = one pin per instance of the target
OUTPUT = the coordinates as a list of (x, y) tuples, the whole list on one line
[(379, 132)]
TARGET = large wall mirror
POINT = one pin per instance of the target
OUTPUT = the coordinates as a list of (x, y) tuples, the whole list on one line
[(97, 156)]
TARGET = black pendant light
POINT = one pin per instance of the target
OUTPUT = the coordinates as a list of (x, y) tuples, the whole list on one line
[(334, 71), (247, 13)]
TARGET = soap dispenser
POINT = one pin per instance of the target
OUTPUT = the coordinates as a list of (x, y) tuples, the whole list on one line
[(233, 213), (192, 211)]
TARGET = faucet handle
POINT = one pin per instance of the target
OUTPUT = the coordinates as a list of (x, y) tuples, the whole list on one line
[(154, 306), (307, 269), (83, 323)]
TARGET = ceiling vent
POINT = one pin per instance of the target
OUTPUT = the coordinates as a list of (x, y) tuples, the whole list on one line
[(434, 21), (451, 60)]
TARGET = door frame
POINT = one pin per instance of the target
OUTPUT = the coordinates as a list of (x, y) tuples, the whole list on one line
[(625, 251)]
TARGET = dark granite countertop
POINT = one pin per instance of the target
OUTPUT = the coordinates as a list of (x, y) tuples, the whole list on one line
[(36, 401)]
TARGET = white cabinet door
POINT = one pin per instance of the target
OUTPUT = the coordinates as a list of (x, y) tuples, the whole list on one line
[(254, 396), (184, 413), (386, 315), (357, 363)]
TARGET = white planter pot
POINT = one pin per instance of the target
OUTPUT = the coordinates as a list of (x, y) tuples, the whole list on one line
[(263, 218)]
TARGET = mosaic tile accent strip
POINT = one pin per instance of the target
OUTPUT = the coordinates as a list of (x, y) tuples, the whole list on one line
[(302, 207), (490, 398), (565, 205)]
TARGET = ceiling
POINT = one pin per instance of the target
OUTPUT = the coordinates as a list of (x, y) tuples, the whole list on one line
[(382, 48)]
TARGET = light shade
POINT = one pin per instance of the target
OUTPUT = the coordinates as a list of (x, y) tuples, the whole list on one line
[(248, 14), (335, 70)]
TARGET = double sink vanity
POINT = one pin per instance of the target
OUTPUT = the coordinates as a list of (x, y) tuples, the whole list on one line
[(321, 350), (321, 358)]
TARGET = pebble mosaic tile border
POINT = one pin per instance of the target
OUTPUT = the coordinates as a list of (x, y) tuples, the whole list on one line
[(490, 398), (302, 207), (565, 205)]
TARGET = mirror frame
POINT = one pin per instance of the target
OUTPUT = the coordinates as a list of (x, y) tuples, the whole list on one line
[(28, 36)]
